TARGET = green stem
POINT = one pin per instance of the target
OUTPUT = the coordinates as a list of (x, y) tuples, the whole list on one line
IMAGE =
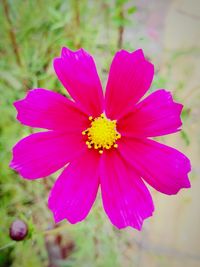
[(120, 29), (7, 245), (11, 32)]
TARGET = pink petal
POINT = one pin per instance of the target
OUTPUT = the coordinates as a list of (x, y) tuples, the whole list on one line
[(129, 78), (75, 190), (43, 153), (126, 199), (46, 109), (164, 168), (154, 116), (77, 72)]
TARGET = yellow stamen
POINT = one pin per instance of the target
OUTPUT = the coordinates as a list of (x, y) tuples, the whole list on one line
[(102, 133)]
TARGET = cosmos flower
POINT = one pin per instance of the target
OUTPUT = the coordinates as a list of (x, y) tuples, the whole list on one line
[(102, 141)]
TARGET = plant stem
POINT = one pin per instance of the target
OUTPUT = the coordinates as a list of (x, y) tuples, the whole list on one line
[(77, 20), (7, 245), (120, 29), (77, 13), (11, 32)]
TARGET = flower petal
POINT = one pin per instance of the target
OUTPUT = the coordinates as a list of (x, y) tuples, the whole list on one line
[(75, 190), (43, 153), (77, 72), (164, 168), (46, 109), (126, 199), (154, 116), (129, 78)]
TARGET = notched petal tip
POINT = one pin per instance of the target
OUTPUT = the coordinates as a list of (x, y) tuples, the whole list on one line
[(66, 52), (138, 227), (140, 54), (176, 106), (136, 55), (59, 217)]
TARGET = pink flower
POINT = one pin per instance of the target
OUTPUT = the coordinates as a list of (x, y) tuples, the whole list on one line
[(105, 139)]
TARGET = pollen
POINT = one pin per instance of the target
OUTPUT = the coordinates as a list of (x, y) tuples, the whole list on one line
[(102, 133)]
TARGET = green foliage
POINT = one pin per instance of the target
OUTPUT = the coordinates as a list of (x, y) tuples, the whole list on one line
[(121, 13), (40, 29)]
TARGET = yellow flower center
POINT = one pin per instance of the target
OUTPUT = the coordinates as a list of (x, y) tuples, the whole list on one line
[(102, 133)]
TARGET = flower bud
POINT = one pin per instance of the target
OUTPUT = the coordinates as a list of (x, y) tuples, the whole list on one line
[(18, 230)]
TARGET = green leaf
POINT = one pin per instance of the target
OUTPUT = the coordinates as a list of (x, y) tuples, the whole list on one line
[(131, 10)]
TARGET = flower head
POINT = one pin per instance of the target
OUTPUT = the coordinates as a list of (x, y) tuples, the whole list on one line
[(105, 139)]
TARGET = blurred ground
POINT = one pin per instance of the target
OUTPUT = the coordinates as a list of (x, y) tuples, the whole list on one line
[(169, 32), (172, 237)]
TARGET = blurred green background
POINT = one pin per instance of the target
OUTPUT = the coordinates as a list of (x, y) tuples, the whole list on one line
[(31, 35)]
